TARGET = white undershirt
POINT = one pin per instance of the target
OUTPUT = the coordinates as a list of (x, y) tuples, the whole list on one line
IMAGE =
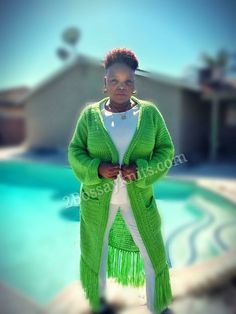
[(121, 132)]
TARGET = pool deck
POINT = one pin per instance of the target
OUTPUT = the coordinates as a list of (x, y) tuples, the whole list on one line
[(205, 287), (208, 286)]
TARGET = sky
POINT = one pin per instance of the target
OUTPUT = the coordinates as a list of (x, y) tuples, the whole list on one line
[(167, 36)]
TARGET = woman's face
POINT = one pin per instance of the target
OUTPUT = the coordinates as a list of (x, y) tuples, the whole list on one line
[(119, 82)]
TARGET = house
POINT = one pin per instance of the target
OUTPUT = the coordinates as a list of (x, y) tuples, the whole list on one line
[(12, 120), (52, 108)]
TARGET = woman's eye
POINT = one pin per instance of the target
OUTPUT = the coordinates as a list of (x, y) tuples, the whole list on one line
[(128, 82)]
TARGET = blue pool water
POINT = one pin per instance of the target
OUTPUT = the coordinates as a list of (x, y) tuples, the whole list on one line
[(40, 226)]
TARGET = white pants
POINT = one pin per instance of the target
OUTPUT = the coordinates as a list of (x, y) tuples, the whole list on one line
[(128, 216)]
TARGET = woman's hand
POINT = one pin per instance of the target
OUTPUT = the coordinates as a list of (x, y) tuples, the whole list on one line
[(108, 170), (129, 173)]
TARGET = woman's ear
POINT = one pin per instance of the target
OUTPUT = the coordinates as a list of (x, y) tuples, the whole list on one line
[(105, 81), (105, 85)]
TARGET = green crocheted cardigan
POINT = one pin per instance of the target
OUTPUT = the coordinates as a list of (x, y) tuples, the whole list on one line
[(152, 149)]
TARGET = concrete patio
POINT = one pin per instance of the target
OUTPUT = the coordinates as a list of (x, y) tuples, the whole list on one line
[(208, 287)]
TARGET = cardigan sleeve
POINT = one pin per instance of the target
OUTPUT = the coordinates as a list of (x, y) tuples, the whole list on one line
[(83, 165), (148, 172)]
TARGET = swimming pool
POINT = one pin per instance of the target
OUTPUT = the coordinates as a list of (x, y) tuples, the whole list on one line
[(40, 226)]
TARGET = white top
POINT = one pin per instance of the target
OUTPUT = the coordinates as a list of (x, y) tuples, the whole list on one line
[(121, 132)]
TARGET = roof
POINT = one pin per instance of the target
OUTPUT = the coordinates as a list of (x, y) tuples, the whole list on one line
[(225, 89), (12, 97), (170, 80), (85, 59)]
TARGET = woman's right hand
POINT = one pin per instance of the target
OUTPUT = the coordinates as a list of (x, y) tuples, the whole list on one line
[(108, 170)]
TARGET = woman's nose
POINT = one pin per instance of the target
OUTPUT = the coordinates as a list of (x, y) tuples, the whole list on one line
[(121, 86)]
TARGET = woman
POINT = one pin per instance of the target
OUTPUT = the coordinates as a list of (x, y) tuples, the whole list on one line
[(120, 147)]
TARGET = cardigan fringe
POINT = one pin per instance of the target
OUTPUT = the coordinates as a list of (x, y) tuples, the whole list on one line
[(89, 281), (126, 267), (163, 292)]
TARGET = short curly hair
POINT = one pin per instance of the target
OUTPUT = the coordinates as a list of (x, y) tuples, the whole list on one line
[(121, 55)]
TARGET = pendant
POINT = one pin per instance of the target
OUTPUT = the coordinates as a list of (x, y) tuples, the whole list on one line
[(123, 117)]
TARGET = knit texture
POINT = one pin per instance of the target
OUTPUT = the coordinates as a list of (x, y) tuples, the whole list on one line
[(152, 149)]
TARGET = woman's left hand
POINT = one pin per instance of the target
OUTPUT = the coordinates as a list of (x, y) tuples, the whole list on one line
[(129, 173)]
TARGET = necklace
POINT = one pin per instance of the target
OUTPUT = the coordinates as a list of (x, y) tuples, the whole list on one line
[(123, 113)]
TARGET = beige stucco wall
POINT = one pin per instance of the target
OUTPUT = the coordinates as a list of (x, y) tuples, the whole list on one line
[(168, 99), (52, 111)]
